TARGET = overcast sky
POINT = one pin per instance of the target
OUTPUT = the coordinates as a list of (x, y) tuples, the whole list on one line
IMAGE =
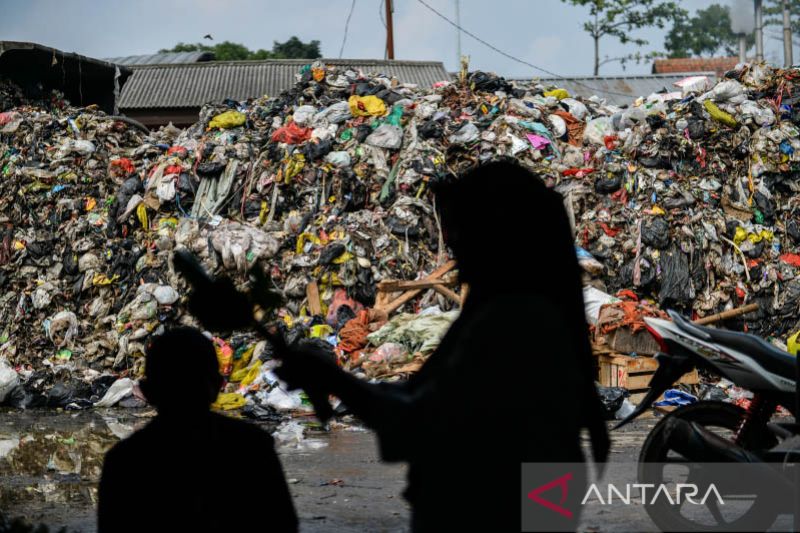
[(546, 33)]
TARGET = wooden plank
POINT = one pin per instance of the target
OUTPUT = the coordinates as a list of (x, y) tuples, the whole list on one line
[(605, 375), (393, 285), (447, 293), (642, 364), (314, 304), (727, 314), (639, 381), (613, 359), (464, 293), (395, 304), (621, 340)]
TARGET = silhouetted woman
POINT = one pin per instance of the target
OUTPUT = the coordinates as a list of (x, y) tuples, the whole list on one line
[(511, 381)]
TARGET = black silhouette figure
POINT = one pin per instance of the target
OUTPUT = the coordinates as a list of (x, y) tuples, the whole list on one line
[(512, 379), (190, 469)]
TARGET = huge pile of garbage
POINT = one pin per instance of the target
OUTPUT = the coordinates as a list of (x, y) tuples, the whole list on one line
[(684, 198)]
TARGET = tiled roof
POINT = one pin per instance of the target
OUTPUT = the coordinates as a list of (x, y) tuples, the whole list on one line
[(192, 85), (719, 65)]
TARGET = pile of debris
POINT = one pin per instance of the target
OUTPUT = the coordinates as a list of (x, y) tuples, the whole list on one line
[(684, 198)]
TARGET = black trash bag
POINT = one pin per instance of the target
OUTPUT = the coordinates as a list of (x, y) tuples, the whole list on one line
[(767, 208), (367, 89), (698, 268), (100, 386), (400, 229), (60, 395), (730, 229), (647, 276), (431, 129), (655, 233), (793, 230), (483, 82), (612, 399), (742, 151), (210, 169), (756, 251), (389, 96), (712, 393), (361, 132), (331, 252), (344, 314), (21, 398), (186, 187), (655, 121), (261, 413), (697, 129), (676, 282), (317, 150), (608, 184), (357, 196), (365, 289)]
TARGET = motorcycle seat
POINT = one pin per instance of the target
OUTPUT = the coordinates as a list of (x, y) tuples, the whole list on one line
[(770, 358)]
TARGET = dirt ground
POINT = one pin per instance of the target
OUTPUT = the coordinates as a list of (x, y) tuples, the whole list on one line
[(50, 463)]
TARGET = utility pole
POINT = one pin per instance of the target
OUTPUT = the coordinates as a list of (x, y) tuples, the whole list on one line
[(458, 31), (788, 60), (389, 30), (759, 31)]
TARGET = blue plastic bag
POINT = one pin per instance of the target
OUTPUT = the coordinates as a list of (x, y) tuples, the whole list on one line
[(677, 398)]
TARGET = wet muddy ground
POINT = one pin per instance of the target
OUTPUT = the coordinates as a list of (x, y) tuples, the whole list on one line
[(50, 463)]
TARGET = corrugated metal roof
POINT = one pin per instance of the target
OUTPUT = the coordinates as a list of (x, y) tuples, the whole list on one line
[(192, 85), (166, 58), (619, 90)]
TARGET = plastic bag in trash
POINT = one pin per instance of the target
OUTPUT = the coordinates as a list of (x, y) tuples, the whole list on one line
[(386, 136), (676, 398), (612, 399)]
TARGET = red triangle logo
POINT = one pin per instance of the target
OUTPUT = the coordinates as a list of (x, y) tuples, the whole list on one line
[(559, 482)]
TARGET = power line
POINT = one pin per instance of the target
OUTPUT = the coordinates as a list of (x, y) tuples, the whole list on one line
[(514, 58), (380, 14), (346, 26)]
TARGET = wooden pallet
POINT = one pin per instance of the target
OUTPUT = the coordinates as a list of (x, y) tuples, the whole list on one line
[(633, 373)]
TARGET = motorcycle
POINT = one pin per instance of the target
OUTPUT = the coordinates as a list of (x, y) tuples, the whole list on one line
[(715, 431)]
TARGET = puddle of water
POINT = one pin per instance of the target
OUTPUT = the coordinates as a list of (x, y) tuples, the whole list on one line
[(56, 457)]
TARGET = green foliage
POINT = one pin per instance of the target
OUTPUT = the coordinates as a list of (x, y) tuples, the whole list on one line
[(707, 33), (293, 48), (619, 18), (773, 15)]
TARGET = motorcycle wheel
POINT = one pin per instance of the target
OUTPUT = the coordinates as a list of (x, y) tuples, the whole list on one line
[(723, 419)]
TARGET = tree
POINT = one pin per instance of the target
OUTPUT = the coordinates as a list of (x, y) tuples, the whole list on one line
[(773, 17), (707, 33), (293, 48), (618, 18)]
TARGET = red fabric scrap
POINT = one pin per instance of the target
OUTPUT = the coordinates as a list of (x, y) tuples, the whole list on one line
[(123, 165), (291, 134), (577, 172), (791, 259), (611, 232)]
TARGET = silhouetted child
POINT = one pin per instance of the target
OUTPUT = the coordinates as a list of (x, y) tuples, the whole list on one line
[(190, 469)]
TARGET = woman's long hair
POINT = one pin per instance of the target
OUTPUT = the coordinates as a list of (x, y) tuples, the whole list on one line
[(510, 233)]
